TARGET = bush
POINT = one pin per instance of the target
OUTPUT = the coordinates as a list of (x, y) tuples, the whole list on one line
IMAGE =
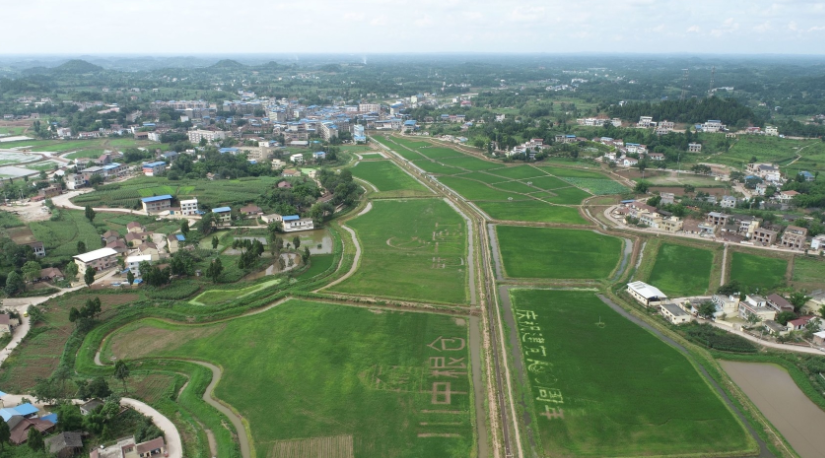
[(708, 336)]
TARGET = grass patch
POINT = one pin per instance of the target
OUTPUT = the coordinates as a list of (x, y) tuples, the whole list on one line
[(219, 296), (386, 176), (681, 270), (318, 264), (808, 270), (538, 252), (435, 167), (470, 163), (547, 183), (531, 210), (624, 392), (411, 249), (483, 177), (439, 153), (329, 370), (515, 186), (757, 272), (598, 186)]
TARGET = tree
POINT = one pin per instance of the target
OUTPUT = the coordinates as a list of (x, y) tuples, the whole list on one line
[(306, 254), (70, 418), (35, 440), (215, 242), (783, 317), (31, 271), (641, 187), (707, 309), (296, 241), (74, 315), (214, 270), (689, 189), (89, 276), (206, 224), (5, 435), (14, 284), (184, 227), (811, 328), (752, 318), (822, 312), (122, 372), (798, 299), (90, 213), (729, 289), (71, 271), (98, 388), (81, 247), (130, 277)]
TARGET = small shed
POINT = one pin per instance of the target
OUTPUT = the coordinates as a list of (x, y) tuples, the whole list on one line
[(65, 444)]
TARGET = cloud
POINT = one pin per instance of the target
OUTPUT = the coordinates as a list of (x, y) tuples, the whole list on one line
[(763, 27), (693, 29), (424, 22), (729, 26), (527, 14), (379, 21)]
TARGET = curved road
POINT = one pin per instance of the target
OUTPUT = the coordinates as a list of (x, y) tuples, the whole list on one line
[(243, 439)]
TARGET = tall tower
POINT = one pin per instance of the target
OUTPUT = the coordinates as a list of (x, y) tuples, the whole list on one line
[(712, 75), (685, 75)]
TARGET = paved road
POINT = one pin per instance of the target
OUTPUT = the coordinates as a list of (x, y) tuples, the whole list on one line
[(243, 439), (174, 445), (766, 343), (63, 201)]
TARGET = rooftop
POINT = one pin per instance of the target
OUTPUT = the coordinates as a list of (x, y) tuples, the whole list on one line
[(221, 210), (645, 290), (96, 254), (156, 198)]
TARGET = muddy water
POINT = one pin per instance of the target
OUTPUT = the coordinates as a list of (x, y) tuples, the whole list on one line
[(312, 239), (783, 403)]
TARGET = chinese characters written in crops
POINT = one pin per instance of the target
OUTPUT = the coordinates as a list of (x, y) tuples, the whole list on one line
[(446, 367), (538, 368)]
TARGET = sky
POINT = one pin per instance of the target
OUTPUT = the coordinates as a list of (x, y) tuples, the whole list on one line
[(389, 26)]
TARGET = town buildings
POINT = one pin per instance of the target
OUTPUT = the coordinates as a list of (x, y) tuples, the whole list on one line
[(156, 204), (100, 259), (295, 223), (189, 207)]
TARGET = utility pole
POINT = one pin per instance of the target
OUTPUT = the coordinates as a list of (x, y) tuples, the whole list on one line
[(685, 75), (712, 75)]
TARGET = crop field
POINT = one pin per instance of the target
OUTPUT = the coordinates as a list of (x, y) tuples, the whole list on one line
[(515, 186), (411, 249), (598, 186), (602, 386), (775, 150), (212, 193), (531, 210), (473, 190), (809, 270), (86, 153), (547, 182), (439, 153), (318, 264), (538, 252), (567, 196), (758, 272), (484, 177), (563, 172), (8, 158), (469, 163), (435, 167), (386, 176), (519, 171), (46, 165), (344, 381), (681, 270), (217, 296), (60, 237)]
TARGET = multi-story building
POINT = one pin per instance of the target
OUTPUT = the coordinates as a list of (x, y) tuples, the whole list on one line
[(694, 147), (358, 133), (74, 181), (747, 227), (195, 136), (765, 237), (329, 131), (672, 224), (772, 131), (100, 259), (795, 238), (646, 294), (756, 305), (728, 202), (156, 204), (133, 263), (369, 107), (151, 169), (717, 219), (222, 214), (189, 207)]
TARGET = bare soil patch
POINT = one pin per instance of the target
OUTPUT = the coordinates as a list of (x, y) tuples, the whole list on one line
[(144, 341)]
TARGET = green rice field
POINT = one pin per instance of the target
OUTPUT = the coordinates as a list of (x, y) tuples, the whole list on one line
[(342, 379), (809, 270), (681, 270), (386, 176), (758, 273), (601, 385), (534, 252), (531, 210), (411, 249)]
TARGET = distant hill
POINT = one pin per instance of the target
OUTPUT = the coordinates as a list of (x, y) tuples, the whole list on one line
[(271, 65), (77, 67), (228, 64)]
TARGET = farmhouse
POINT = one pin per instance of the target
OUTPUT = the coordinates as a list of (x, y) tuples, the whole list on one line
[(135, 228), (273, 218), (100, 259), (297, 158), (775, 328), (189, 207), (129, 448), (64, 444), (90, 406), (800, 323), (156, 204), (764, 236), (25, 236), (819, 338), (151, 169), (133, 263), (758, 306), (795, 238), (779, 303), (295, 223), (646, 294), (250, 210), (222, 214), (51, 273), (7, 323), (673, 313), (694, 148)]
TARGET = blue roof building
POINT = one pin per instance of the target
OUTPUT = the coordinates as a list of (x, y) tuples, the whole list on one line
[(155, 164), (292, 218), (229, 150), (52, 417), (22, 410), (180, 237), (147, 200), (807, 175), (221, 210)]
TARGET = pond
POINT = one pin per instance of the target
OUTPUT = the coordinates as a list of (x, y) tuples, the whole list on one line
[(313, 239), (782, 402)]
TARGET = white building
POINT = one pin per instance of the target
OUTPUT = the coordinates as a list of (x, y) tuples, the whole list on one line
[(297, 158), (818, 242), (673, 313), (195, 136), (74, 181), (773, 131), (728, 202), (644, 293), (100, 259), (133, 263), (294, 223), (189, 207)]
